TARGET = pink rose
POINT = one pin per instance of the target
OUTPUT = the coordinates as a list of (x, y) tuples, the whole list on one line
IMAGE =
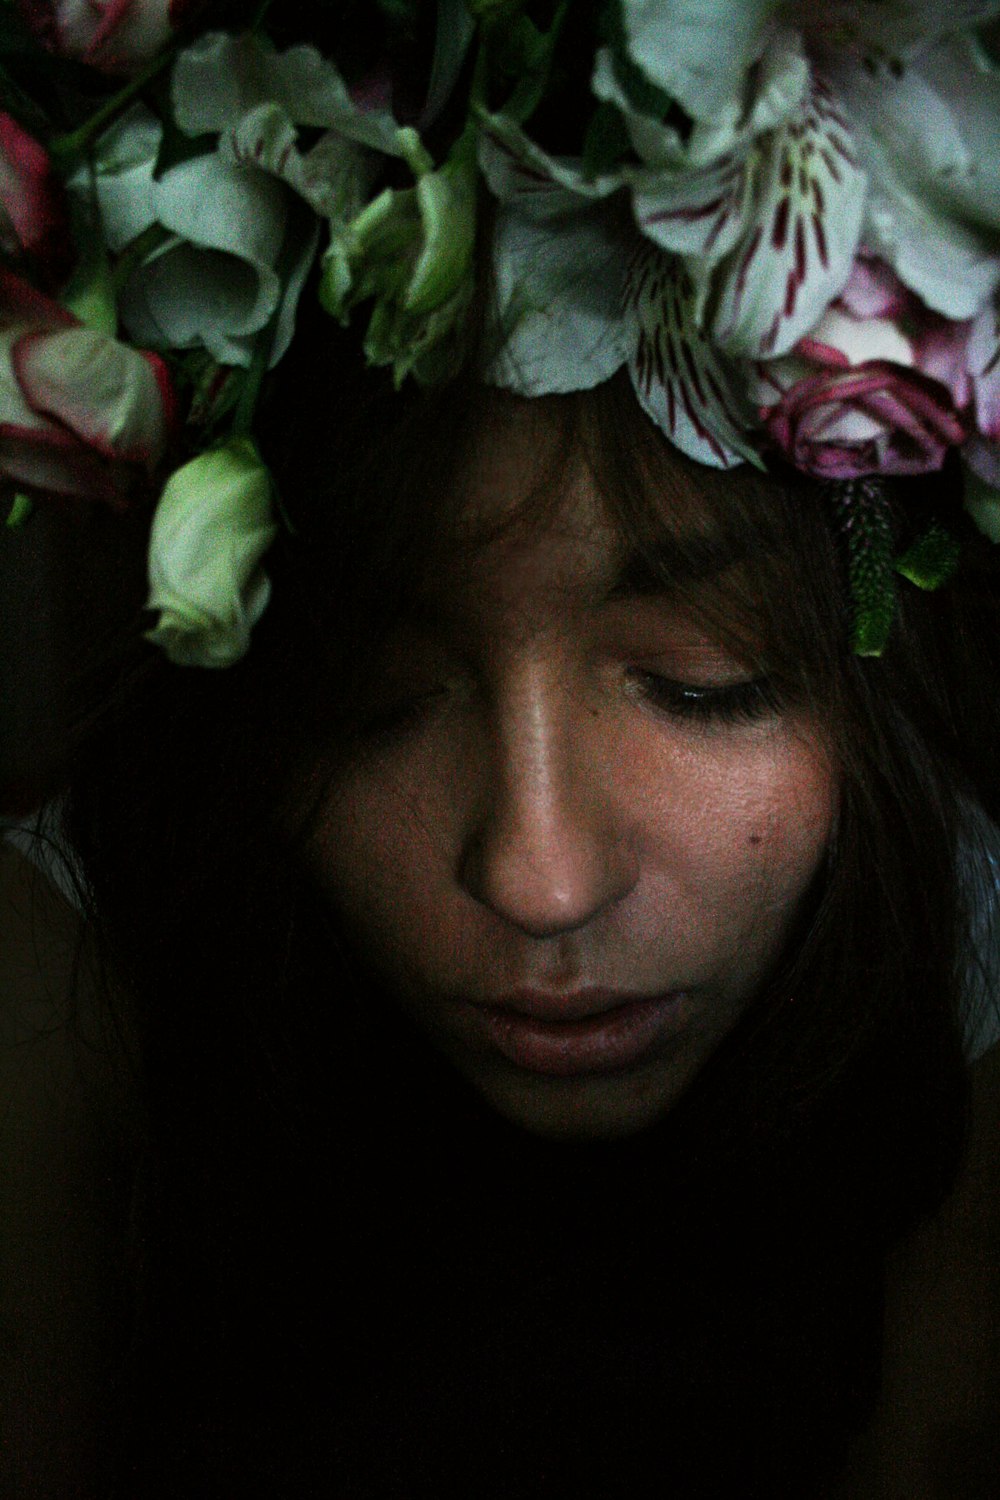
[(34, 221), (81, 415), (880, 385), (115, 36)]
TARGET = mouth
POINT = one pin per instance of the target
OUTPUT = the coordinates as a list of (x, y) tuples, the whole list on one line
[(592, 1032)]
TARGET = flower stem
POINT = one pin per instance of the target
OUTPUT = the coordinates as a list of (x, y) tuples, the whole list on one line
[(66, 149)]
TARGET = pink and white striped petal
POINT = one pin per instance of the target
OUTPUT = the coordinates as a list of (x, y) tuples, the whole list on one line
[(682, 382), (107, 394), (802, 234), (48, 460)]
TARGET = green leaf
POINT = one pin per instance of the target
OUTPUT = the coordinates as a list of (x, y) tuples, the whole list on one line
[(20, 510), (932, 559), (519, 57)]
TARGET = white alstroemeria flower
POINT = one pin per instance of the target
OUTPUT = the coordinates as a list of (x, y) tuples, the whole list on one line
[(213, 281), (761, 187), (701, 52), (212, 526), (897, 144), (693, 196)]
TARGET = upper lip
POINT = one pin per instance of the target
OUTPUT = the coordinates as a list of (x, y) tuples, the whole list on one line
[(570, 1005)]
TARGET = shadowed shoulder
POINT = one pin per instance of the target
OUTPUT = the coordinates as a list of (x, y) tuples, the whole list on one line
[(937, 1435)]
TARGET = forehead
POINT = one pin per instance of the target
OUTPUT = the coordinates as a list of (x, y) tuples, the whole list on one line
[(534, 518)]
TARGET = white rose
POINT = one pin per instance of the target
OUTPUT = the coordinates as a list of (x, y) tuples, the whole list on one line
[(212, 526)]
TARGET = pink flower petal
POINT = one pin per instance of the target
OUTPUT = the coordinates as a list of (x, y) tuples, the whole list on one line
[(34, 218), (22, 303), (48, 461), (876, 418)]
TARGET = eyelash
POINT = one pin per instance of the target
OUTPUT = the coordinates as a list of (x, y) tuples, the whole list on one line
[(735, 703)]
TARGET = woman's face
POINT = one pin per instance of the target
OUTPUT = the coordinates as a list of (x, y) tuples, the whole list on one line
[(577, 833)]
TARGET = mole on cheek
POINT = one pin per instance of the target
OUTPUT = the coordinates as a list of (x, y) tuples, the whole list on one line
[(755, 838)]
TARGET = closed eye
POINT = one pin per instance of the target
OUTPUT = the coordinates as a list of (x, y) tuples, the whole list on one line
[(729, 703)]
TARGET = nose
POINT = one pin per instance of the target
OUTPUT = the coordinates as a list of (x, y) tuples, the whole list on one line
[(546, 850)]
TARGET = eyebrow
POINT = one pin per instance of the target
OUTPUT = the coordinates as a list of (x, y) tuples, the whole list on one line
[(671, 561)]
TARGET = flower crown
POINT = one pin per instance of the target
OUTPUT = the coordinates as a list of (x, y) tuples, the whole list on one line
[(783, 218)]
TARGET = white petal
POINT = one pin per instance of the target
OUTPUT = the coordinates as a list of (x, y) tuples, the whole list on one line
[(801, 236), (895, 28), (186, 298), (699, 51), (928, 133), (950, 267), (515, 168), (699, 213), (221, 206), (682, 382), (984, 369), (220, 78), (858, 340), (780, 83), (333, 176), (124, 159), (558, 298)]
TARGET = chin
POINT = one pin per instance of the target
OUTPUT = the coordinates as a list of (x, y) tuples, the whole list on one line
[(586, 1107)]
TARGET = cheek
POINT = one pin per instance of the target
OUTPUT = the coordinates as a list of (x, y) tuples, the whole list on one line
[(374, 858), (740, 834)]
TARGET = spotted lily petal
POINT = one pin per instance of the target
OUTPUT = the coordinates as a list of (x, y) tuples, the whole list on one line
[(801, 236), (683, 383)]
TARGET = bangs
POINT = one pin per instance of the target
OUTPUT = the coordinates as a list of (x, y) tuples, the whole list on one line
[(749, 558)]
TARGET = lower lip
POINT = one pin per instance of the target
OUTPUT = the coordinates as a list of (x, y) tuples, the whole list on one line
[(604, 1043)]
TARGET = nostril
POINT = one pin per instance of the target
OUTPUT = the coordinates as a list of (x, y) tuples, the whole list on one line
[(544, 877)]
